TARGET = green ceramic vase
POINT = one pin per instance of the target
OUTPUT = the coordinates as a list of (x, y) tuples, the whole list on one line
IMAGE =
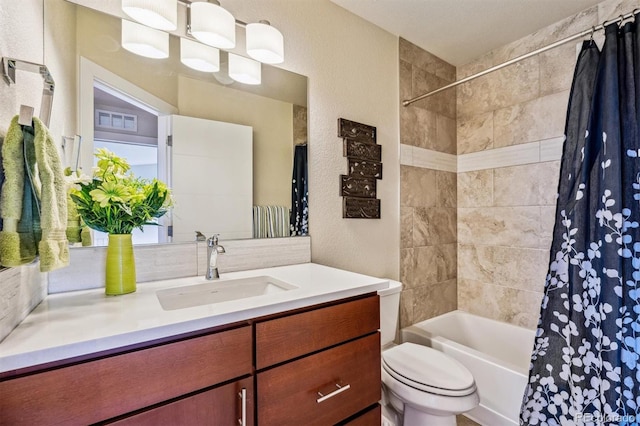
[(121, 266)]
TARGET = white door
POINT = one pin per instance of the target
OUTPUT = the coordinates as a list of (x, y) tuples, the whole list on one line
[(211, 174)]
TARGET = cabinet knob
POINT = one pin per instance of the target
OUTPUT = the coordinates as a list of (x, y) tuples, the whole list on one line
[(332, 394)]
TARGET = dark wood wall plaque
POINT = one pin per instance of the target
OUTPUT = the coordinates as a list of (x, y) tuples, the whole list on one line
[(360, 208), (356, 131), (364, 156), (362, 168), (363, 150), (357, 187)]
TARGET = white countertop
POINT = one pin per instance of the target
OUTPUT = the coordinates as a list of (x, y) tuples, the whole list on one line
[(79, 323)]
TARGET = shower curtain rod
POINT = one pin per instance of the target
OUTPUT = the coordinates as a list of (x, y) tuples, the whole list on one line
[(591, 31)]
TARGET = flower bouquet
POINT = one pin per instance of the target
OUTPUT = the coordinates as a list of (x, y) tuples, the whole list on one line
[(114, 201)]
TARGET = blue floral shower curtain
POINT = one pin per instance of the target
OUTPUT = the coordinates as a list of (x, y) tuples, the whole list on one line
[(584, 365)]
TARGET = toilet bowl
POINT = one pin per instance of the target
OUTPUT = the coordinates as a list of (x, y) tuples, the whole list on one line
[(423, 386)]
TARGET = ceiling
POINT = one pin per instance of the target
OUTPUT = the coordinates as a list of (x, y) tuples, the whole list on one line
[(459, 31)]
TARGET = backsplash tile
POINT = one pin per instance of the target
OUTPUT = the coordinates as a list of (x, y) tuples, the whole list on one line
[(166, 261), (22, 289)]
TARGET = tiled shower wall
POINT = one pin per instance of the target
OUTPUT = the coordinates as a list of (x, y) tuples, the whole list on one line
[(506, 150), (506, 214), (427, 195)]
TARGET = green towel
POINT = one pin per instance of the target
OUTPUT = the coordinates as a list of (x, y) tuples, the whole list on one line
[(17, 239), (32, 172), (53, 247)]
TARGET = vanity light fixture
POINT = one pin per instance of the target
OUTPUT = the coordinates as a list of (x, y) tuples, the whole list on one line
[(158, 14), (244, 70), (145, 41), (212, 24), (199, 56), (265, 43)]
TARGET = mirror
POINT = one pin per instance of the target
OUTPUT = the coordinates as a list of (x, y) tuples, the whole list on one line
[(120, 93)]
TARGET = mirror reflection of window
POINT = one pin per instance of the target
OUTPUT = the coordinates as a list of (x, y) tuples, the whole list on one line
[(130, 133)]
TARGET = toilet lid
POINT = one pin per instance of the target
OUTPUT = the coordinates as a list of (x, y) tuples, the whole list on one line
[(427, 369)]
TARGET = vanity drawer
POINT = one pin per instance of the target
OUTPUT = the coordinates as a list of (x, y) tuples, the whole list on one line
[(289, 394), (281, 339), (97, 390)]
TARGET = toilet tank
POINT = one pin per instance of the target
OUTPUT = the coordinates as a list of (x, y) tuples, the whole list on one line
[(389, 311)]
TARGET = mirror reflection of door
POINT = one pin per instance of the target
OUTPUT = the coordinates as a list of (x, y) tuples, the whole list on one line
[(130, 130)]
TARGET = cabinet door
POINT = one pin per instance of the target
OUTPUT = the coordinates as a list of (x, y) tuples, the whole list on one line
[(324, 388), (224, 405), (93, 391)]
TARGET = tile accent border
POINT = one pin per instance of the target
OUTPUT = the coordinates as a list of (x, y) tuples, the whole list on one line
[(427, 158), (514, 155)]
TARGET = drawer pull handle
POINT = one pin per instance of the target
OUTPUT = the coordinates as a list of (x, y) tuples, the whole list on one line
[(332, 394), (243, 397)]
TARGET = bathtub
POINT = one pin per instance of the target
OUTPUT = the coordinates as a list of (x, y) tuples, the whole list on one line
[(496, 353)]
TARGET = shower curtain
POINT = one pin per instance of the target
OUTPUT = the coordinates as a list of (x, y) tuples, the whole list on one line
[(584, 365), (299, 217)]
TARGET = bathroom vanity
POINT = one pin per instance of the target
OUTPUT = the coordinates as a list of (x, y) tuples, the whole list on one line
[(304, 356)]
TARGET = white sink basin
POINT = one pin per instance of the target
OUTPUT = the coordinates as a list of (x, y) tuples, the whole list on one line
[(206, 292)]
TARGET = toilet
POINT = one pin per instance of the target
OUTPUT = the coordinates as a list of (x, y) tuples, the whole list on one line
[(421, 386)]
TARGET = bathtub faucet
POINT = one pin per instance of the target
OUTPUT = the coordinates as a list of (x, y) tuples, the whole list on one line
[(213, 249)]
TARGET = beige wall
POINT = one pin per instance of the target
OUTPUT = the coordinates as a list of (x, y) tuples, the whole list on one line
[(353, 73), (23, 288), (427, 196), (506, 214), (272, 123)]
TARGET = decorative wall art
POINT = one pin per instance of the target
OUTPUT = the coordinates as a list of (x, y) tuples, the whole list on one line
[(364, 156)]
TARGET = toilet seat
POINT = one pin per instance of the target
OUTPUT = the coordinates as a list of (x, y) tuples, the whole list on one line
[(428, 370)]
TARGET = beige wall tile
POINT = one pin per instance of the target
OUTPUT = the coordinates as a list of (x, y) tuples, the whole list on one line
[(445, 140), (547, 221), (512, 267), (432, 300), (541, 118), (406, 308), (547, 35), (518, 307), (406, 80), (443, 103), (509, 86), (417, 127), (417, 56), (556, 68), (475, 189), (406, 227), (479, 64), (507, 226), (407, 264), (446, 71), (527, 185), (417, 187), (434, 264), (447, 189), (474, 132), (434, 225), (613, 8)]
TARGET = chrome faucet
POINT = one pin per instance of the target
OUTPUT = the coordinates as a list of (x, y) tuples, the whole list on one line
[(213, 249)]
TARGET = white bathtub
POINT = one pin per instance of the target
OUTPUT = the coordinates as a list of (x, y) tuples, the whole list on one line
[(496, 353)]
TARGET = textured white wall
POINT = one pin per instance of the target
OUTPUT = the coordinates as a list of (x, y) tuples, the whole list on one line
[(25, 35), (353, 73)]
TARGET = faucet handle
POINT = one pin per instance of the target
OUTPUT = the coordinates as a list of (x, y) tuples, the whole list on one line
[(213, 240)]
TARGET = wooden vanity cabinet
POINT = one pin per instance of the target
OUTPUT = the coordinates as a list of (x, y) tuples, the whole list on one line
[(101, 389), (319, 367), (313, 366)]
